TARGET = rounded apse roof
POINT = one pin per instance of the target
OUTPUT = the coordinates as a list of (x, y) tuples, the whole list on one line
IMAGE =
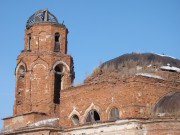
[(169, 105), (41, 16)]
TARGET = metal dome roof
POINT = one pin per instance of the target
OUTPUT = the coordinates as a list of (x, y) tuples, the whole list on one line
[(41, 16)]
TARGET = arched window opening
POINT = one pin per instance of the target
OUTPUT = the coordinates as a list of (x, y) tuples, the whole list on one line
[(75, 119), (114, 114), (29, 43), (93, 116), (57, 43), (21, 71), (58, 82)]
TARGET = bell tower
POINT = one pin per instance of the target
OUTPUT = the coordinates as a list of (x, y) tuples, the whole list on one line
[(44, 68)]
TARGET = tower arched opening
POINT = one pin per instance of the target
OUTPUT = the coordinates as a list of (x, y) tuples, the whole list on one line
[(58, 82)]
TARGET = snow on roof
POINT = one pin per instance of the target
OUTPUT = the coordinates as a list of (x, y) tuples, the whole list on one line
[(6, 130), (170, 68), (164, 55), (49, 122), (150, 75)]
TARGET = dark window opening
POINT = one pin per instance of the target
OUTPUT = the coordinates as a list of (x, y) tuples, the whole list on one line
[(96, 116), (114, 114), (29, 43), (59, 69), (19, 93), (57, 43), (75, 120), (57, 87), (58, 83), (93, 116)]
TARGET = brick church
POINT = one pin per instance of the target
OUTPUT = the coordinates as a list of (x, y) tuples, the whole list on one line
[(133, 94)]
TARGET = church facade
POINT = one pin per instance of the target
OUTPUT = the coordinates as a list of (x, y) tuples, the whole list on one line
[(117, 98)]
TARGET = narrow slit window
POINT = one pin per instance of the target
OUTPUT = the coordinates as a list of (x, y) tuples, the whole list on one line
[(57, 43), (29, 43)]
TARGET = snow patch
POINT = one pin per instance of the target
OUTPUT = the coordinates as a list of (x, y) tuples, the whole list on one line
[(150, 75), (165, 55), (170, 68), (149, 65), (161, 114), (49, 122)]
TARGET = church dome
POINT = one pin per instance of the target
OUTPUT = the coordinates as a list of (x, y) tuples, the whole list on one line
[(141, 59), (134, 64), (41, 16), (169, 105)]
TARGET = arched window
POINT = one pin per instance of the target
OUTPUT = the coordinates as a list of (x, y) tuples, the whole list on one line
[(92, 116), (58, 82), (20, 84), (57, 43), (114, 114), (75, 119)]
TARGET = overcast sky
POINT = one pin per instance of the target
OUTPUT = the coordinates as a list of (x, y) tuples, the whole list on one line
[(99, 30)]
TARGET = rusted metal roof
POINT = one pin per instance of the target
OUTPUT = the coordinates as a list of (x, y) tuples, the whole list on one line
[(41, 16)]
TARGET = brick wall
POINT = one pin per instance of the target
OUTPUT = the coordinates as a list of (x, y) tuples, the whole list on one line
[(135, 98)]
